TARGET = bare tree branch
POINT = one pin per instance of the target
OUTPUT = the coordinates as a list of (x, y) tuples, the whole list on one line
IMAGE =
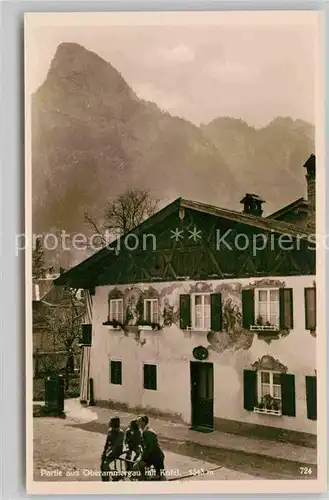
[(63, 320), (125, 213)]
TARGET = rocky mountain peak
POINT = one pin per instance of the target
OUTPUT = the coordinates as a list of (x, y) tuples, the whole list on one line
[(92, 138)]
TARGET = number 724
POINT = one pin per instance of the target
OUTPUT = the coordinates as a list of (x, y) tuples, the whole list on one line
[(305, 470)]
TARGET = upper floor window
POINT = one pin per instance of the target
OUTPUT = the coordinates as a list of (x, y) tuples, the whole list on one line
[(310, 308), (201, 311), (116, 310), (267, 307), (151, 310), (201, 314)]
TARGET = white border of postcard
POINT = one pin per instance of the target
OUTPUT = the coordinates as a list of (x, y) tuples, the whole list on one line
[(33, 20)]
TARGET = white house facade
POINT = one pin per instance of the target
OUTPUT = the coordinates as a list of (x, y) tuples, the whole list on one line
[(152, 369)]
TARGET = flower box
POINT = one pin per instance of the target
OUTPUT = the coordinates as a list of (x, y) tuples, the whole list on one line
[(113, 325), (148, 326), (267, 411), (264, 328)]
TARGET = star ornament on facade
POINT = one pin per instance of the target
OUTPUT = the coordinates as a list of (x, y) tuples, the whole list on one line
[(177, 234), (195, 234)]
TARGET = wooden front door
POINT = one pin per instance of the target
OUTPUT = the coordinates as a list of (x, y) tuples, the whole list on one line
[(202, 394)]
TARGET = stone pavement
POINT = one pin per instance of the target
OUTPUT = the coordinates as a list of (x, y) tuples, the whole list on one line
[(63, 452), (181, 432)]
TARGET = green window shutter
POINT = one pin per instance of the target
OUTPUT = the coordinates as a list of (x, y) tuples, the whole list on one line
[(248, 308), (288, 394), (249, 389), (310, 308), (216, 312), (184, 311), (286, 309), (311, 399)]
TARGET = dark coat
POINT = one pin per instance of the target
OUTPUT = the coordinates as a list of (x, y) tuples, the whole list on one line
[(152, 452), (114, 443), (133, 439)]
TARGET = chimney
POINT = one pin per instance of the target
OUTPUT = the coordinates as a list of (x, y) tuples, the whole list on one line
[(310, 178), (252, 204)]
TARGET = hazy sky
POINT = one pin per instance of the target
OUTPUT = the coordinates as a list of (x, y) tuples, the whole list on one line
[(252, 71)]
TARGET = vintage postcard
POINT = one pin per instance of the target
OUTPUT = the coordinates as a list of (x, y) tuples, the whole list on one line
[(175, 252)]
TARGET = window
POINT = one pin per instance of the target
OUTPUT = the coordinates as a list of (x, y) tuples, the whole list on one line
[(86, 330), (269, 392), (267, 307), (150, 377), (201, 312), (310, 308), (116, 372), (151, 310), (269, 385), (116, 310)]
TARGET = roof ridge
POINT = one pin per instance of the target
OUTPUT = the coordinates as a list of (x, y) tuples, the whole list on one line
[(245, 217)]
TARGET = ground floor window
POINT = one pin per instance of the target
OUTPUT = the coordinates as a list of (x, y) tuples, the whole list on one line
[(269, 390), (116, 372), (150, 377)]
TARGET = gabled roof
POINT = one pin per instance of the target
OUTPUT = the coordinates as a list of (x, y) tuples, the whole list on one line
[(250, 220), (299, 203), (264, 224), (105, 252)]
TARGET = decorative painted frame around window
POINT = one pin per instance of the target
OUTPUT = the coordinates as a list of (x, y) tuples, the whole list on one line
[(151, 310), (201, 311), (267, 308), (116, 310)]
